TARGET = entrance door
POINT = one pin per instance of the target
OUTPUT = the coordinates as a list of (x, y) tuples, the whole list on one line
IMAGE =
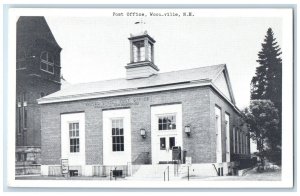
[(166, 131), (166, 144)]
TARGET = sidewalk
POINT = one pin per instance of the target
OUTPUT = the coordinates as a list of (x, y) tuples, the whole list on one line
[(251, 175)]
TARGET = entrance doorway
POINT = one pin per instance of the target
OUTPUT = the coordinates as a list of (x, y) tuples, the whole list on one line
[(166, 131), (166, 144)]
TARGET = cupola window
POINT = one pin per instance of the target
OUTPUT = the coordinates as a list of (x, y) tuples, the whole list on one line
[(138, 51)]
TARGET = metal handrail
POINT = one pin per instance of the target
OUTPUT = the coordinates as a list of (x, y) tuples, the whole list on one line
[(216, 169)]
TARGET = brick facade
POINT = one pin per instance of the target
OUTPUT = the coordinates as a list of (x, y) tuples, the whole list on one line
[(197, 111)]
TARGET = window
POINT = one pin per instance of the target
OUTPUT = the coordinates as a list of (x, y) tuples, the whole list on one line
[(138, 51), (74, 137), (117, 135), (47, 62), (21, 57), (167, 122), (233, 138), (19, 110), (25, 117), (241, 143), (171, 142), (162, 143), (149, 51), (237, 141), (246, 151)]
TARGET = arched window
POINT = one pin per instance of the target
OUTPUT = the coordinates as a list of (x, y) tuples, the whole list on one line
[(47, 62)]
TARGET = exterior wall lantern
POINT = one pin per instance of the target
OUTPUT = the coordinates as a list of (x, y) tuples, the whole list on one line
[(143, 133), (187, 130)]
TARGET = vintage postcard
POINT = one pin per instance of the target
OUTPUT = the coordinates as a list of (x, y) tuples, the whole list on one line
[(141, 97)]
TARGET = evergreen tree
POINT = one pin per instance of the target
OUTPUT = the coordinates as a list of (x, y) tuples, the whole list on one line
[(266, 84)]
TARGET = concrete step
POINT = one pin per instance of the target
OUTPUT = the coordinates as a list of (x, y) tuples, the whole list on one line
[(154, 171)]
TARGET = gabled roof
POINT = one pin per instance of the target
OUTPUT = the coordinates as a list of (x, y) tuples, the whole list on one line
[(33, 28), (171, 80)]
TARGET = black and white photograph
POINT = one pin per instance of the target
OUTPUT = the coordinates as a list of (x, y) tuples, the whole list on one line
[(149, 97)]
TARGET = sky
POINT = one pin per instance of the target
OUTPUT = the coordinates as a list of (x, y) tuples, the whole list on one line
[(97, 48)]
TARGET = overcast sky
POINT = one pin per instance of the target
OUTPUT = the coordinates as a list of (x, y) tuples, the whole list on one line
[(97, 48)]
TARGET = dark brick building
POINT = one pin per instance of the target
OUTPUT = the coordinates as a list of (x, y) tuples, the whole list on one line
[(142, 119), (37, 75)]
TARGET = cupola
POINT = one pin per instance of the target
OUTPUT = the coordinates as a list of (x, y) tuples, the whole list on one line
[(141, 57)]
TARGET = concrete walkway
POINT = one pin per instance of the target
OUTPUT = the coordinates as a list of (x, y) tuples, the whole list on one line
[(251, 175)]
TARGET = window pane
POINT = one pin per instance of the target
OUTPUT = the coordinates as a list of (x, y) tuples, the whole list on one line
[(121, 131), (173, 126), (122, 139), (162, 143), (113, 131), (171, 142), (164, 120), (43, 66), (164, 126), (159, 126), (50, 58), (44, 56), (50, 68), (159, 120), (122, 147)]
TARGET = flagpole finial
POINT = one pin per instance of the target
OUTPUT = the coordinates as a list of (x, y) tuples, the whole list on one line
[(141, 24)]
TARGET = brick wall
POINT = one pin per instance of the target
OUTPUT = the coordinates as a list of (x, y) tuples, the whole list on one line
[(198, 112), (234, 119)]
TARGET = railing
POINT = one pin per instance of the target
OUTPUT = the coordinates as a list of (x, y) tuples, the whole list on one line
[(188, 173), (142, 158), (216, 169), (111, 174), (168, 170)]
